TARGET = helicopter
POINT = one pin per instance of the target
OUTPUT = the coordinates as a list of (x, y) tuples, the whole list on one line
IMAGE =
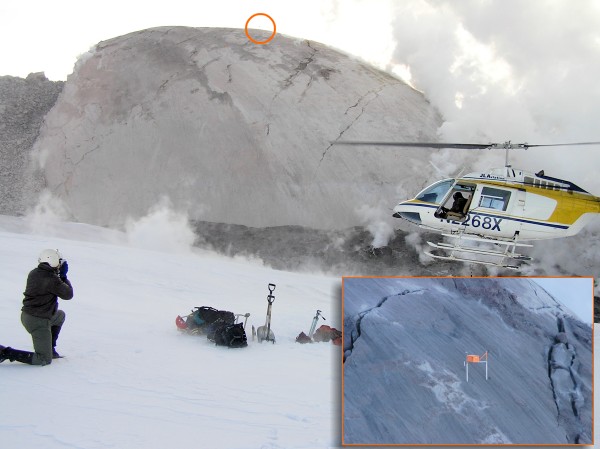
[(503, 207)]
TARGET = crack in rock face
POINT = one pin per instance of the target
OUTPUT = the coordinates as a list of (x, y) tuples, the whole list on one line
[(563, 375), (356, 333), (373, 95)]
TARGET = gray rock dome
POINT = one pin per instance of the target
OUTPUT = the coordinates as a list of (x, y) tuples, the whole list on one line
[(229, 131)]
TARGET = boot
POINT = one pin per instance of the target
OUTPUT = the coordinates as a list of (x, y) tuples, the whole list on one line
[(55, 331), (14, 355), (2, 356)]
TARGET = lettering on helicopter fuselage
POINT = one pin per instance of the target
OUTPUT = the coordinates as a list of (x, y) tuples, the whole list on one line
[(488, 223), (488, 176)]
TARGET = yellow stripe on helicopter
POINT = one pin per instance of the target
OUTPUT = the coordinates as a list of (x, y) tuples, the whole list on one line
[(570, 205)]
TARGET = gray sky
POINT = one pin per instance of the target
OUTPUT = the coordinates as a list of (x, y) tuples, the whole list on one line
[(48, 36), (575, 293)]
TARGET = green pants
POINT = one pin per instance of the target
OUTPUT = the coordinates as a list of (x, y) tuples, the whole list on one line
[(41, 334)]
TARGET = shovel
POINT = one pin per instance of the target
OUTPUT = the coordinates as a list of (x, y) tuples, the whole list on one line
[(264, 333)]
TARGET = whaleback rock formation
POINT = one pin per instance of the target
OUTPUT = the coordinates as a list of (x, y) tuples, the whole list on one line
[(230, 131)]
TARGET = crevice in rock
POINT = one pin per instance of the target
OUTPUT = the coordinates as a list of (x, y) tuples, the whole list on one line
[(69, 176), (564, 389), (374, 94), (302, 65), (84, 155), (162, 86), (183, 41), (552, 382), (355, 335), (303, 94)]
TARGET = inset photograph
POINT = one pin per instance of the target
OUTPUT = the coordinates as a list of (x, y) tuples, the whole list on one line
[(439, 361)]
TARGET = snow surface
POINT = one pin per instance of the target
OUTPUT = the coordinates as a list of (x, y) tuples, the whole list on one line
[(131, 380)]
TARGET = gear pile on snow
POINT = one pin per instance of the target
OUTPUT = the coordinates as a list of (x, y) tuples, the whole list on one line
[(328, 333), (222, 327), (324, 333), (219, 326)]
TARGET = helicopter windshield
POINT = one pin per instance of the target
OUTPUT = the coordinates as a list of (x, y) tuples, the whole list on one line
[(435, 193)]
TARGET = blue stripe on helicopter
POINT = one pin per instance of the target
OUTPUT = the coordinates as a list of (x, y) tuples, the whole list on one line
[(504, 217)]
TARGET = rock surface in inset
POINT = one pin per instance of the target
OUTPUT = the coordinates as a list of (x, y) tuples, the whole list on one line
[(404, 372)]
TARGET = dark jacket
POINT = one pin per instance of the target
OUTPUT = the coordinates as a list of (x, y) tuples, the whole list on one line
[(43, 287)]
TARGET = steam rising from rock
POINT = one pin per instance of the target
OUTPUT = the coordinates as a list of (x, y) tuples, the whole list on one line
[(162, 229)]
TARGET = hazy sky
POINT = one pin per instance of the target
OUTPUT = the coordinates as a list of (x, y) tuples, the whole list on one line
[(575, 293), (48, 36)]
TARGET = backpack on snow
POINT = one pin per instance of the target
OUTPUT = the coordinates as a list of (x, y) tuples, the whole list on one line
[(218, 325), (230, 335), (203, 317)]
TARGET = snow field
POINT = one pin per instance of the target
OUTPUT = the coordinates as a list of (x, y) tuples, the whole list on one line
[(130, 379)]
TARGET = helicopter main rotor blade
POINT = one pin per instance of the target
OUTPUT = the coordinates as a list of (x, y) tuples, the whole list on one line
[(562, 144), (466, 146)]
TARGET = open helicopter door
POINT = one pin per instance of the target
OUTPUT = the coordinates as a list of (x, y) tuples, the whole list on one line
[(456, 204)]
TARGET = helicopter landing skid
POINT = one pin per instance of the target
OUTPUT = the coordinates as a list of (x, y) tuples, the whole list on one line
[(508, 253), (509, 243), (485, 252), (467, 260)]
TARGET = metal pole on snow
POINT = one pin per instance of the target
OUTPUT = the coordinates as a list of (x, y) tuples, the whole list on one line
[(270, 299), (472, 358), (314, 323)]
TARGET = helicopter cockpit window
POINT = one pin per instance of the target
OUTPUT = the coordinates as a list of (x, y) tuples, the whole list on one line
[(494, 198), (436, 192)]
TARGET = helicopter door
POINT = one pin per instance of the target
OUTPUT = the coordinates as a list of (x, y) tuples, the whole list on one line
[(520, 206), (456, 204)]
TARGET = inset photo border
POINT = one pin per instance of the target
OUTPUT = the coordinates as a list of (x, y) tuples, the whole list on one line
[(467, 361)]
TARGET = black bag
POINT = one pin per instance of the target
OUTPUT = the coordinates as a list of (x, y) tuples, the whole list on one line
[(205, 316), (211, 329), (230, 335)]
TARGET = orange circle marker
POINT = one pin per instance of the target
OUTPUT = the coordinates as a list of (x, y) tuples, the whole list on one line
[(270, 37)]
